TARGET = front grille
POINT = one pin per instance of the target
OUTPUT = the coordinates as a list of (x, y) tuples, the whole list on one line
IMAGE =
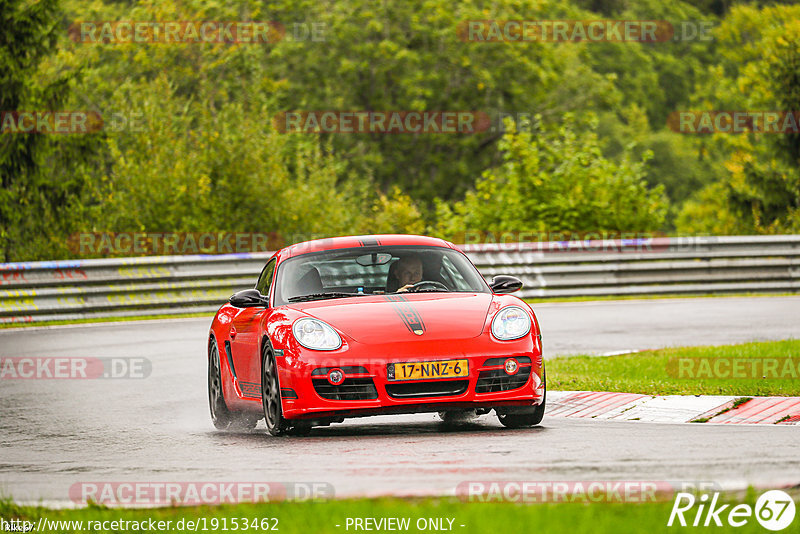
[(350, 389), (494, 380), (439, 388)]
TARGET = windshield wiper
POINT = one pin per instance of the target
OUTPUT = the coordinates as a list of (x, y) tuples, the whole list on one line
[(320, 296), (430, 290)]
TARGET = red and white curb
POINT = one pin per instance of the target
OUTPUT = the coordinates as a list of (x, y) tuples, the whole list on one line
[(673, 408)]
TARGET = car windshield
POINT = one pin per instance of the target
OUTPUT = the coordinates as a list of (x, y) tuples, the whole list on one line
[(355, 272)]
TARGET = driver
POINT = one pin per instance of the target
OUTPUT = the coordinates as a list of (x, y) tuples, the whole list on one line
[(408, 272)]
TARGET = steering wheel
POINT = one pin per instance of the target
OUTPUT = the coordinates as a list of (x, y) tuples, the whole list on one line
[(431, 283)]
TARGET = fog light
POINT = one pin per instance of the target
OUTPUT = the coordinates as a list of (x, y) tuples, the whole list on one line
[(512, 366), (336, 376)]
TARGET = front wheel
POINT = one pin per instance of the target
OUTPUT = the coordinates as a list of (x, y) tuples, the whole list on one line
[(521, 420), (277, 425)]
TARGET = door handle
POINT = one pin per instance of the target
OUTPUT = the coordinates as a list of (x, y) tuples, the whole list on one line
[(233, 332)]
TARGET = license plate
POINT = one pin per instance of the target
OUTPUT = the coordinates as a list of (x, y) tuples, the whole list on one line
[(428, 370)]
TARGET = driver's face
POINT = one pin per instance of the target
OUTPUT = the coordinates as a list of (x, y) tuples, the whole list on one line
[(409, 271)]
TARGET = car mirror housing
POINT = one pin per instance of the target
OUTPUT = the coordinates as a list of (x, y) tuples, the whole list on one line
[(249, 298), (505, 284)]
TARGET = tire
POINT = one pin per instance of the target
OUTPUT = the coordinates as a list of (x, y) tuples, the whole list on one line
[(522, 420), (271, 395), (222, 417)]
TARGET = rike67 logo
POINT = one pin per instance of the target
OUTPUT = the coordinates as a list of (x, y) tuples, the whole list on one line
[(774, 510)]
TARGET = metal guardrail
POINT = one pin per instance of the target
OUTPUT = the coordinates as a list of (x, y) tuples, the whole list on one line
[(77, 289)]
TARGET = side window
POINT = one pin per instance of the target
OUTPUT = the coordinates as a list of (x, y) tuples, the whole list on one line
[(265, 279)]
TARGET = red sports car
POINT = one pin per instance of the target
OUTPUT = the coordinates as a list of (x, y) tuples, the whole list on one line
[(369, 325)]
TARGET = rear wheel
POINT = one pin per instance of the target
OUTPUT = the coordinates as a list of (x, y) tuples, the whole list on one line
[(222, 417)]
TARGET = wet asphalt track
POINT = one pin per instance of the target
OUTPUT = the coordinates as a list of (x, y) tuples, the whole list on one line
[(55, 433)]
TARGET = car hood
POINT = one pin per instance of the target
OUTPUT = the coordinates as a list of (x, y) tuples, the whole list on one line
[(404, 316)]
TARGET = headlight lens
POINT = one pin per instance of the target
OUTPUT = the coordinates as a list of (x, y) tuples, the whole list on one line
[(511, 322), (316, 335)]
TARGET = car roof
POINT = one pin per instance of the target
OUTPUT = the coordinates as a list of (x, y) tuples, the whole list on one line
[(331, 243)]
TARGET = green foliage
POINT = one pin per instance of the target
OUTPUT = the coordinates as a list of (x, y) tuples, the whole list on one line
[(708, 213), (409, 56), (189, 143), (760, 49), (764, 193), (679, 163), (558, 180), (393, 214), (43, 193), (191, 169)]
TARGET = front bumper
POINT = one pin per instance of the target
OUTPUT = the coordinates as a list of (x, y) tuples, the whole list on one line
[(367, 390)]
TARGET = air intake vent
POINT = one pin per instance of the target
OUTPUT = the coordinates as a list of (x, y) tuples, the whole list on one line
[(350, 389), (439, 388), (497, 380)]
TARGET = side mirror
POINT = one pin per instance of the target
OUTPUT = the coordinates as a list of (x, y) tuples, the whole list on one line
[(249, 298), (505, 284)]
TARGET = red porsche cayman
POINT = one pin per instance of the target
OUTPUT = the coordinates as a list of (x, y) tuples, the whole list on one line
[(370, 325)]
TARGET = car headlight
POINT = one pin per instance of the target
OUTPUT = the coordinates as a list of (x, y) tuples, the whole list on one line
[(511, 322), (316, 335)]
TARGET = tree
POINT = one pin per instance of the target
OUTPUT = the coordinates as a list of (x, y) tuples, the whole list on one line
[(558, 180), (195, 148), (760, 71), (38, 188), (386, 56)]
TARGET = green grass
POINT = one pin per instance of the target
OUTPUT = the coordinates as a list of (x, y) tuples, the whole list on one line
[(648, 372), (484, 518)]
